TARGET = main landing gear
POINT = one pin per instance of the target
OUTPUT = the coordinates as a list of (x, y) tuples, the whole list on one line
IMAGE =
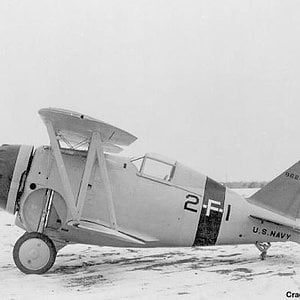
[(263, 248), (34, 253)]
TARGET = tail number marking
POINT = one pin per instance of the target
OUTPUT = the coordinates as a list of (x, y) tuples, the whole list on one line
[(292, 175), (189, 203), (212, 205)]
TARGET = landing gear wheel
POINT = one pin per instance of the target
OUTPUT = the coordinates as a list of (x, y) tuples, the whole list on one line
[(34, 253), (263, 248), (263, 255)]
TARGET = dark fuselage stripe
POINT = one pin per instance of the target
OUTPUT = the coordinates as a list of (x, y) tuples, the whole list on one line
[(211, 214), (228, 212)]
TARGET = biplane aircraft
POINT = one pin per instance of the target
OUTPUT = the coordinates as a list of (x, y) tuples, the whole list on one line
[(79, 190)]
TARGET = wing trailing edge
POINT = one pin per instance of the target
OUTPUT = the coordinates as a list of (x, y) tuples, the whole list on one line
[(122, 235)]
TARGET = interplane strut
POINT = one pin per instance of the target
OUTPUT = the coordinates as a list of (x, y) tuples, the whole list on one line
[(95, 152)]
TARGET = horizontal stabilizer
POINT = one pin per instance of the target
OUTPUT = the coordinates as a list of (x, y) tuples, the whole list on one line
[(289, 225)]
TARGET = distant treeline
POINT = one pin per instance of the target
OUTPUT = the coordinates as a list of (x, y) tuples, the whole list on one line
[(245, 185)]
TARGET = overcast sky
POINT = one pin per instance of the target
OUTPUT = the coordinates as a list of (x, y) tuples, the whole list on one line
[(214, 84)]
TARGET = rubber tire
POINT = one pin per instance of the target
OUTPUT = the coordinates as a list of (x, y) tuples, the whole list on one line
[(46, 240)]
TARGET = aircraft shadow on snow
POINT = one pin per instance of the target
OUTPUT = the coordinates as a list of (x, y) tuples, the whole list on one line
[(94, 268)]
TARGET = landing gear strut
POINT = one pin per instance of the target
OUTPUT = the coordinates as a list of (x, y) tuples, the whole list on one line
[(263, 248)]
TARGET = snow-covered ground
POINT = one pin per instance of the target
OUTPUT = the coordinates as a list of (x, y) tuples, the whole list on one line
[(88, 272)]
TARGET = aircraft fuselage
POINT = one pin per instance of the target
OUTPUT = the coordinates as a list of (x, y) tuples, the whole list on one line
[(188, 209)]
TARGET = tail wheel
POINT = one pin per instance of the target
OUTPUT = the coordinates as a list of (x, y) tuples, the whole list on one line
[(34, 253)]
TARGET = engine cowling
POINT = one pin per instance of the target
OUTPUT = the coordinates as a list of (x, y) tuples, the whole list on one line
[(14, 164)]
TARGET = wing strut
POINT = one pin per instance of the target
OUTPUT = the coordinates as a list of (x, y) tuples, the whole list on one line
[(69, 196), (105, 178), (96, 151)]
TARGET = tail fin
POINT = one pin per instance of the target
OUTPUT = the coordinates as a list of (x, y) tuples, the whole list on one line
[(282, 194)]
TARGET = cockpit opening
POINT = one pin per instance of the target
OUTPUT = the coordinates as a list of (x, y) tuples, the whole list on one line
[(155, 166)]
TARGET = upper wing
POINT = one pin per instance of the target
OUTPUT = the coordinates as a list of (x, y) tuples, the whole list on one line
[(76, 127)]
